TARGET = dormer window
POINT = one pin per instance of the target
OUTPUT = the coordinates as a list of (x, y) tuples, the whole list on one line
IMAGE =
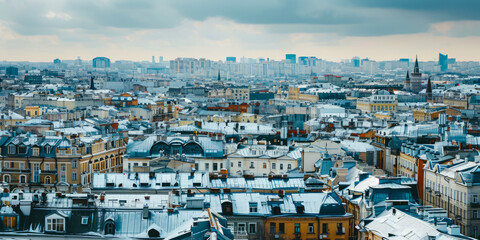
[(35, 152), (22, 150), (55, 223), (47, 149), (11, 149)]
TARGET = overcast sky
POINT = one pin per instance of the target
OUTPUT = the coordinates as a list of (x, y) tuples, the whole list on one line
[(41, 30)]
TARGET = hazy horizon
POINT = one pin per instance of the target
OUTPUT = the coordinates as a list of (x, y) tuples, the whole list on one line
[(40, 31)]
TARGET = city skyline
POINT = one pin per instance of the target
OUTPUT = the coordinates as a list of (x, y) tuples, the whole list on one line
[(332, 30)]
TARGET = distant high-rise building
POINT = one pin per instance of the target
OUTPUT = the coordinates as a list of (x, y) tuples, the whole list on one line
[(443, 62), (78, 61), (153, 59), (101, 62), (307, 61), (356, 61), (451, 60), (57, 61), (11, 71), (160, 59), (231, 59), (291, 58)]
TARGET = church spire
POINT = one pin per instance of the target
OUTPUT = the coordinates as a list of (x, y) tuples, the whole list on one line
[(219, 78), (416, 69), (428, 92), (408, 76)]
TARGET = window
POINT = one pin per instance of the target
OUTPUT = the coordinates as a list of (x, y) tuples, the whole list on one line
[(22, 166), (325, 228), (311, 229), (47, 180), (47, 149), (84, 220), (215, 166), (23, 179), (273, 228), (252, 228), (74, 163), (274, 166), (22, 150), (340, 229), (47, 167), (253, 207), (207, 166), (6, 178), (7, 164), (241, 228), (35, 152), (11, 149), (289, 166), (264, 165), (55, 224), (10, 222), (109, 227), (281, 166), (74, 176), (231, 164), (297, 227), (475, 198), (36, 172), (239, 164), (63, 172), (474, 214), (252, 165), (281, 227)]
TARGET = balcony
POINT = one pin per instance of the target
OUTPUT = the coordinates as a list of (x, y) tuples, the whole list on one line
[(48, 172), (15, 170), (474, 205), (240, 234)]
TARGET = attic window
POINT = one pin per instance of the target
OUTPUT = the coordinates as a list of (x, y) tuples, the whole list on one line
[(84, 220), (276, 210), (47, 149), (11, 149), (55, 224), (22, 150)]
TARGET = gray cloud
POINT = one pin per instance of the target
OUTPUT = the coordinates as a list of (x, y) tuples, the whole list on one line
[(340, 17)]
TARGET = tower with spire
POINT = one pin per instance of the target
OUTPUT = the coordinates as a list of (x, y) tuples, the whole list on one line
[(428, 92), (407, 82), (416, 78), (92, 84)]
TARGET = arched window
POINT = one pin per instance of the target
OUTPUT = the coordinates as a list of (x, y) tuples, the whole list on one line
[(153, 233), (227, 208), (47, 180), (6, 178), (109, 227), (23, 179)]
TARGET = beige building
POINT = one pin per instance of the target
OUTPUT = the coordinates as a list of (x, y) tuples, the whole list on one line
[(382, 101), (262, 160), (456, 189)]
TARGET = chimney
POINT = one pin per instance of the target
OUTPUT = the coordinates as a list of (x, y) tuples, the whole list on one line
[(454, 230)]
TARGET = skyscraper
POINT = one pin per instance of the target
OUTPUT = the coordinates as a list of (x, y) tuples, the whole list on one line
[(231, 59), (443, 62), (291, 58), (101, 62), (153, 59)]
